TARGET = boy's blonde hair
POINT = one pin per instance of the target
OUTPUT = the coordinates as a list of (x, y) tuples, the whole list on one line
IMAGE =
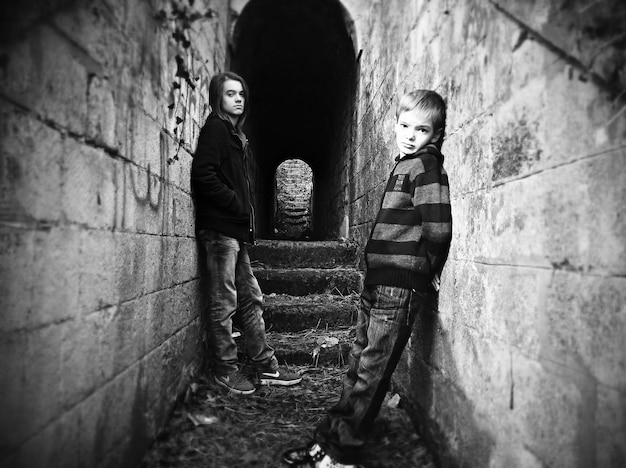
[(429, 102)]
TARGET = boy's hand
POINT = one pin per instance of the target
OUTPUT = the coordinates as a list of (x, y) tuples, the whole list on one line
[(435, 282)]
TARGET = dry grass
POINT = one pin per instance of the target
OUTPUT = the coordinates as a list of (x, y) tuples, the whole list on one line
[(212, 429)]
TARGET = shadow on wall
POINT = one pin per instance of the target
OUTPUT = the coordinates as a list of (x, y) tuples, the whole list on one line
[(419, 375)]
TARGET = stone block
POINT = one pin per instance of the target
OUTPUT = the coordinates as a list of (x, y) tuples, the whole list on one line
[(30, 362), (30, 172), (115, 421), (40, 276), (610, 428), (62, 91), (565, 317), (177, 162), (44, 74), (130, 251), (586, 327), (89, 186), (99, 267), (182, 214), (87, 358), (52, 447), (142, 201), (114, 416), (481, 366), (96, 28), (101, 113), (126, 333), (20, 77), (468, 157), (174, 262), (571, 104), (176, 310), (549, 408), (550, 219), (522, 333)]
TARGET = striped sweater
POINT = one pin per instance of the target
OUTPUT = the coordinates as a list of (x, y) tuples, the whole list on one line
[(410, 239)]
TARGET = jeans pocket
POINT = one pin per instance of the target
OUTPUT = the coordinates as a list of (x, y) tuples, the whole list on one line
[(391, 303), (217, 239)]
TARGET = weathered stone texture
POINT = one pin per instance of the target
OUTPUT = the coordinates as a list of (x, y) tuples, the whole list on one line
[(99, 286), (294, 189), (524, 363)]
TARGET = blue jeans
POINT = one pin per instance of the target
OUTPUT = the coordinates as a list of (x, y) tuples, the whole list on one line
[(383, 328), (233, 288)]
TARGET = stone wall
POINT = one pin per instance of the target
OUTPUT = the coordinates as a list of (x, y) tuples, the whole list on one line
[(524, 363), (100, 104)]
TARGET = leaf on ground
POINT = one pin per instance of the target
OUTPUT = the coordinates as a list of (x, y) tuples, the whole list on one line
[(330, 341), (201, 419), (394, 401)]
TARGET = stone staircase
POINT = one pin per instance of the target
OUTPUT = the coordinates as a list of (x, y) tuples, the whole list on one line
[(311, 302), (311, 298)]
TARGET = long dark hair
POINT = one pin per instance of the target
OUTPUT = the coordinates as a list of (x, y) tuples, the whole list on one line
[(216, 89)]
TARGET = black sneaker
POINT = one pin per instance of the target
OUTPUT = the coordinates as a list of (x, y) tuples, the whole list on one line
[(312, 456), (304, 456), (235, 383), (279, 377)]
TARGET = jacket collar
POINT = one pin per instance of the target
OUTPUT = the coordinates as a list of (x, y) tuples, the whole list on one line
[(240, 136), (428, 149)]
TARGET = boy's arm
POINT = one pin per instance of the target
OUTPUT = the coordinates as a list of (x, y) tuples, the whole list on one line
[(432, 200), (205, 168)]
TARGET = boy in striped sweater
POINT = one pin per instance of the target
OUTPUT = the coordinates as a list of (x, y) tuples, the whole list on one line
[(405, 254)]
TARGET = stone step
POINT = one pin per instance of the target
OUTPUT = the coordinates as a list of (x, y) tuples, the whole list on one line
[(304, 281), (313, 347), (284, 313), (304, 254), (295, 222)]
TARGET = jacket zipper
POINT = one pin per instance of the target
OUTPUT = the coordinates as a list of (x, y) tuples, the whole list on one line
[(245, 171)]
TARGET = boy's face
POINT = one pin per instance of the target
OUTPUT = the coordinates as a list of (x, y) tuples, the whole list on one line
[(414, 130), (233, 99)]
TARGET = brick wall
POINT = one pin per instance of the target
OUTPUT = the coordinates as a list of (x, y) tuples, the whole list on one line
[(100, 104), (524, 363)]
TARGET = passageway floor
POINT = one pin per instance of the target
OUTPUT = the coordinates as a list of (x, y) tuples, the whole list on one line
[(213, 429)]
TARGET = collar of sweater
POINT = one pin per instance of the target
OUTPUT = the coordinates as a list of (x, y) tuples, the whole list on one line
[(430, 148)]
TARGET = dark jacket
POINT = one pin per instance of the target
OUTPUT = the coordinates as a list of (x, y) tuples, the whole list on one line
[(219, 181), (411, 236)]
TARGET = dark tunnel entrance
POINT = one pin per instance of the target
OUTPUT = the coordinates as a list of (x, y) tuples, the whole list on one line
[(298, 59)]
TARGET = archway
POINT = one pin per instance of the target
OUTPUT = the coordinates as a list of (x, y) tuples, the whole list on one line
[(298, 59)]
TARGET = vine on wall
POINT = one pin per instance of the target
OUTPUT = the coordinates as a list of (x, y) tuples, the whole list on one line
[(180, 16)]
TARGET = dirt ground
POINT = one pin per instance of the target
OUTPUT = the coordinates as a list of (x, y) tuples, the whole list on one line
[(213, 429)]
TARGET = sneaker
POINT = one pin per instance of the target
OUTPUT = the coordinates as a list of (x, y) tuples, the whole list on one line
[(304, 456), (235, 383), (312, 456), (280, 377), (328, 462)]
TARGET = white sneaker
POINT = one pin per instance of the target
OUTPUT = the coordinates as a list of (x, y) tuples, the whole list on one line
[(328, 462)]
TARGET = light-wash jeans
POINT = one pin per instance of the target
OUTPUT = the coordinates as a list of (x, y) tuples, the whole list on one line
[(232, 287), (384, 324)]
